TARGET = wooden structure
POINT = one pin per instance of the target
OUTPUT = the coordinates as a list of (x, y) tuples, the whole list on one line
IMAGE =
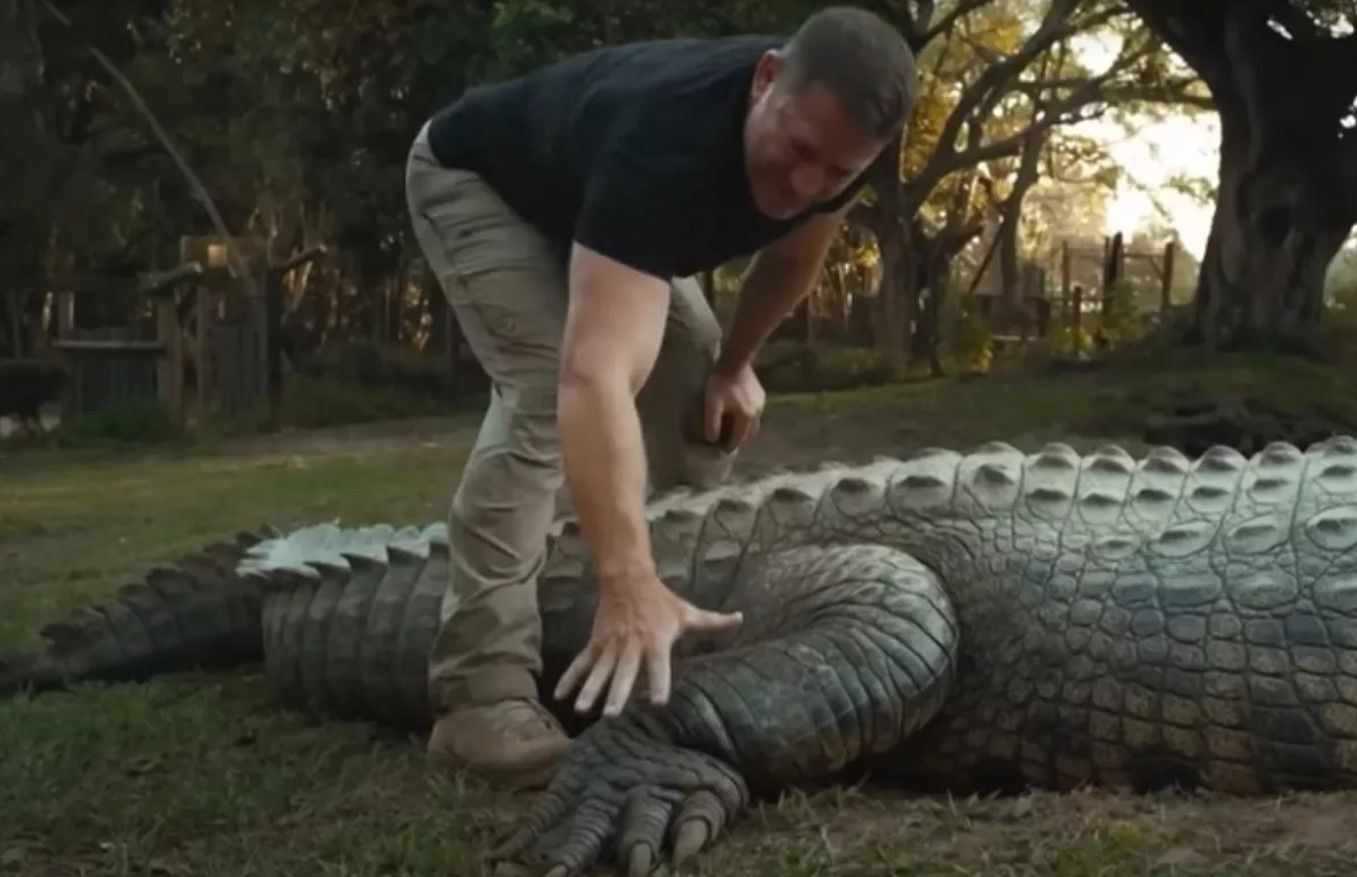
[(1088, 280), (210, 347), (114, 365)]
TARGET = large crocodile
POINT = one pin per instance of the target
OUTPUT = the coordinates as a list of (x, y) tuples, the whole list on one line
[(994, 619)]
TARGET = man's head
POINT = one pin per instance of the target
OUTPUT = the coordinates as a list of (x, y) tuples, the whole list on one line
[(823, 106)]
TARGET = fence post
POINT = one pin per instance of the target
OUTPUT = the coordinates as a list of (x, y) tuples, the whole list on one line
[(1066, 272), (273, 343), (205, 306), (1166, 290), (170, 364), (1112, 269)]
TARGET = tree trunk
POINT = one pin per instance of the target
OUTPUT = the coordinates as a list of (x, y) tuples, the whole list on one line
[(1029, 171), (934, 280), (1287, 97), (929, 289), (26, 165), (1278, 223), (28, 169), (886, 219), (894, 303)]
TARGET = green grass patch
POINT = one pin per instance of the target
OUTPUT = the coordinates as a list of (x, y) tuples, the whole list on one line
[(326, 401), (72, 531), (1107, 403)]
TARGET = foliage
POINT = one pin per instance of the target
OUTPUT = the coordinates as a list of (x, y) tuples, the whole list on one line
[(310, 401), (1122, 321), (967, 337), (1000, 86), (140, 422), (298, 115), (382, 367), (789, 366)]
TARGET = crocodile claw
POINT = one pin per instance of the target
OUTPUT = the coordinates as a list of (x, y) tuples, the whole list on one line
[(625, 798)]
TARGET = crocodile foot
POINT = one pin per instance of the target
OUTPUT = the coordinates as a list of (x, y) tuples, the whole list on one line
[(624, 797)]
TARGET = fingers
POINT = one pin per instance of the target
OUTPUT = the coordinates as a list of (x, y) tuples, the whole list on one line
[(701, 619), (571, 677), (657, 673), (744, 426), (711, 420), (602, 670), (624, 678)]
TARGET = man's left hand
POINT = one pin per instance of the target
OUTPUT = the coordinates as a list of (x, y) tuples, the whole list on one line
[(734, 399)]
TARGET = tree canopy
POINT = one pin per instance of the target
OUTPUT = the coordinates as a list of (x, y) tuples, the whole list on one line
[(296, 117)]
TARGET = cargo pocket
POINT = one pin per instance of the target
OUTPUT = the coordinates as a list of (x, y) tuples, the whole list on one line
[(501, 279), (479, 232)]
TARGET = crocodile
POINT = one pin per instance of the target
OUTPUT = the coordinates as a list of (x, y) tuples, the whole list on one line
[(991, 619)]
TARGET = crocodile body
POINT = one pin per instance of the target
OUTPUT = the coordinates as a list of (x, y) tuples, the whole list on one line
[(983, 620)]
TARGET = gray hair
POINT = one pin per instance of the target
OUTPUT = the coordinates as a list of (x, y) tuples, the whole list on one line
[(862, 59)]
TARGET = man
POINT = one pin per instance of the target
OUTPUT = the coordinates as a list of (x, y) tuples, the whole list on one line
[(564, 214)]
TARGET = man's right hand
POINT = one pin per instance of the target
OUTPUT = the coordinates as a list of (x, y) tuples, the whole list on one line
[(638, 619), (613, 332)]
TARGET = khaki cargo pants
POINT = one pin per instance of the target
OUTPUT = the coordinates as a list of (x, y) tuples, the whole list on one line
[(507, 287)]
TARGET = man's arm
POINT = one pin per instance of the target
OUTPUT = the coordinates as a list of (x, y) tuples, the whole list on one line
[(782, 274), (613, 330)]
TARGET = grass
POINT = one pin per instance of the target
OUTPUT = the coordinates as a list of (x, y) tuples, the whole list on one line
[(204, 775)]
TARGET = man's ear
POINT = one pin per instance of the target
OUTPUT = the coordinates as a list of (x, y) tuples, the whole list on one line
[(766, 72)]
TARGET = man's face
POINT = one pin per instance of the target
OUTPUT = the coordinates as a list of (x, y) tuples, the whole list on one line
[(801, 146)]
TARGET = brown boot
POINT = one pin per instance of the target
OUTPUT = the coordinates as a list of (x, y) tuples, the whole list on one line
[(516, 743)]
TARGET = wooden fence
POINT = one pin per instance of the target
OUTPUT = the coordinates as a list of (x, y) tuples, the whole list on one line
[(210, 348), (109, 367), (1080, 293)]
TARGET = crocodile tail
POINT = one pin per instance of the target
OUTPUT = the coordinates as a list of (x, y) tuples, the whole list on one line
[(196, 613), (349, 617)]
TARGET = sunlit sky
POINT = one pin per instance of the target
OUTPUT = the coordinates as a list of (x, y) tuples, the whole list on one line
[(1151, 156)]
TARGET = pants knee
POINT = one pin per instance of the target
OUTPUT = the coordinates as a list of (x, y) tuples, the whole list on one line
[(504, 505)]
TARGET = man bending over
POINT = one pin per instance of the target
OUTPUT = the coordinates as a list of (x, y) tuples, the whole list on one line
[(565, 213)]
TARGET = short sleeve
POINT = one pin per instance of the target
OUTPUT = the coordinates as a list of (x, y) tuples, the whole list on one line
[(638, 208)]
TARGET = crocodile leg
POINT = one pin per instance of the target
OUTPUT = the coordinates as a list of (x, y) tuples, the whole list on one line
[(846, 650)]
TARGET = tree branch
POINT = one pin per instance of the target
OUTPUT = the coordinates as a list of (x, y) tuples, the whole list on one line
[(1156, 94), (1196, 32), (1055, 113), (963, 8), (989, 86), (194, 182)]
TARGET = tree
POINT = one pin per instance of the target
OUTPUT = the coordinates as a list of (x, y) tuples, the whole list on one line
[(999, 82), (25, 176), (1283, 77)]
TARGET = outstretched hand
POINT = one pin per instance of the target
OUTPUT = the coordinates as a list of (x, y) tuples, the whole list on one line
[(638, 618)]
